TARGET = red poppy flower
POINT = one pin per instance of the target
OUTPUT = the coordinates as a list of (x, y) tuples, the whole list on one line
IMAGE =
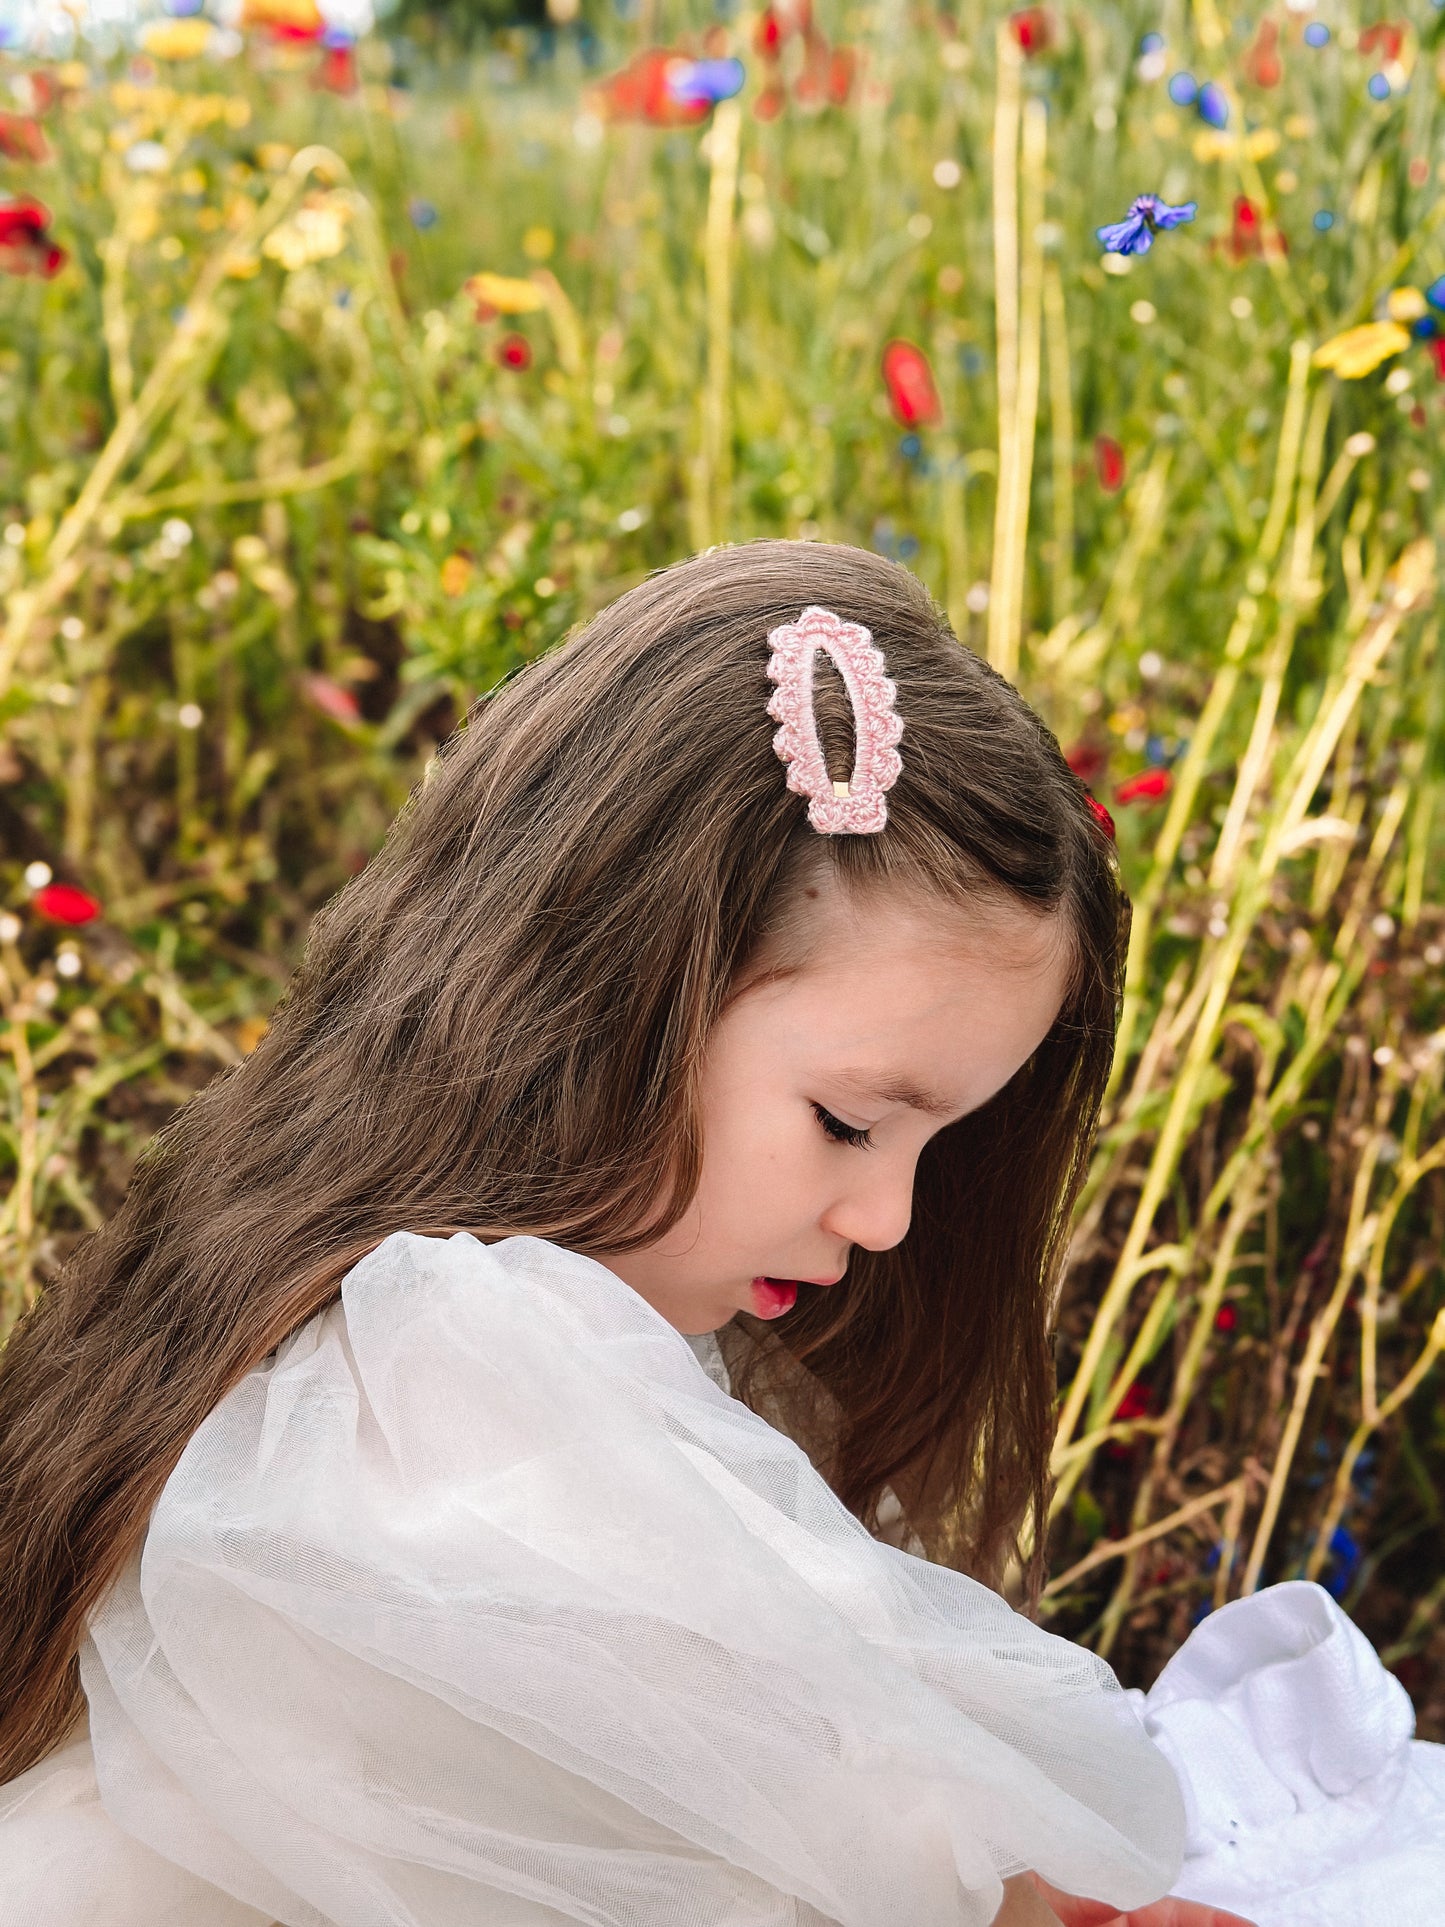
[(1386, 35), (1033, 28), (640, 91), (1102, 816), (1262, 63), (842, 74), (1437, 352), (1108, 463), (25, 243), (336, 71), (909, 379), (769, 103), (1249, 234), (769, 35), (827, 74), (64, 903), (1244, 234), (1226, 1318), (36, 91), (514, 351), (1135, 1402), (331, 699), (1087, 760), (21, 139), (1147, 787)]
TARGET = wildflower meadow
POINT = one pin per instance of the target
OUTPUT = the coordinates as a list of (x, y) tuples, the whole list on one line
[(344, 367)]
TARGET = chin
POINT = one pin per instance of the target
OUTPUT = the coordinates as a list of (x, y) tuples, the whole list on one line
[(690, 1327)]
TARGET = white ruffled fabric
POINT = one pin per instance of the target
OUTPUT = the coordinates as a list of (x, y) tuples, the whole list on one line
[(483, 1604), (1309, 1803)]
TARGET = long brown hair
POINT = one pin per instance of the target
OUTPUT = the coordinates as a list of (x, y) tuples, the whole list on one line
[(498, 1027)]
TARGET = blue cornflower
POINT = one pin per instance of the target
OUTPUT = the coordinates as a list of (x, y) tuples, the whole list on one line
[(706, 81), (1344, 1559), (1213, 105), (1135, 233)]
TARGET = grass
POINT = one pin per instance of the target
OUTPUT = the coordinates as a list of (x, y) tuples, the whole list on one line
[(279, 500)]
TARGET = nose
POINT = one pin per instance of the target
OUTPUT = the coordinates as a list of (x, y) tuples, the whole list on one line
[(875, 1216)]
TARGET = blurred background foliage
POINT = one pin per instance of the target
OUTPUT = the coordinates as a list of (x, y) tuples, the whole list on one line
[(339, 377)]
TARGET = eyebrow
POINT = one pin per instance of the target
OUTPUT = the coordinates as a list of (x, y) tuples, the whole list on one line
[(896, 1090)]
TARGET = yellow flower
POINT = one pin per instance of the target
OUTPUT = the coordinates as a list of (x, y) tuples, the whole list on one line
[(1217, 144), (1405, 304), (538, 243), (505, 293), (243, 267), (201, 110), (1359, 350), (302, 15), (1212, 144), (181, 39), (456, 574), (314, 233)]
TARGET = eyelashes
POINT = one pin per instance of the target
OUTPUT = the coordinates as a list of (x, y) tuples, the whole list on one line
[(840, 1132)]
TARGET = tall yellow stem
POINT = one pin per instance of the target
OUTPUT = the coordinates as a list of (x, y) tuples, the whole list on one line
[(1026, 393), (712, 500), (1006, 322), (1061, 437)]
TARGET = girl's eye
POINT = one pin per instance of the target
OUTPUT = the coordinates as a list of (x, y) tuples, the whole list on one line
[(840, 1132)]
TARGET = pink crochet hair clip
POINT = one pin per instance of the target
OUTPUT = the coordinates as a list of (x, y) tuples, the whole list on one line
[(856, 806)]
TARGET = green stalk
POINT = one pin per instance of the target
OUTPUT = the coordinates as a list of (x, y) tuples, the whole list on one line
[(1413, 576), (1194, 767), (1061, 441), (194, 331), (1006, 325), (712, 509)]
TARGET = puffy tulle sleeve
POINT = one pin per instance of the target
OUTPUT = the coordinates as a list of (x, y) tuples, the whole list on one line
[(481, 1604)]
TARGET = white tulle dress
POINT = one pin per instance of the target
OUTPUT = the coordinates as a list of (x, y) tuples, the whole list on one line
[(483, 1604)]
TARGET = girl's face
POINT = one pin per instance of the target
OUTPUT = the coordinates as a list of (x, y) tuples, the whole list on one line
[(805, 1152)]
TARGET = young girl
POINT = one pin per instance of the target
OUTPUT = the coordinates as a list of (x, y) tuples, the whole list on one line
[(382, 1543)]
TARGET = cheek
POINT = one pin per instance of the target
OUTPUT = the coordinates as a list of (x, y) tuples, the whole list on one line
[(758, 1142)]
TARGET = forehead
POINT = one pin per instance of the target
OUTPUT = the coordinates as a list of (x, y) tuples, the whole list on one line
[(853, 971), (883, 927)]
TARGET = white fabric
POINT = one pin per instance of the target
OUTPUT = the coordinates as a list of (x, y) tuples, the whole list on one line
[(481, 1605), (65, 1863), (1309, 1803)]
